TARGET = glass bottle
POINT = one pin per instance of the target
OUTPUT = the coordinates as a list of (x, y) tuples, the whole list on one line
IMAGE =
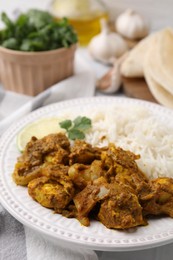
[(83, 15)]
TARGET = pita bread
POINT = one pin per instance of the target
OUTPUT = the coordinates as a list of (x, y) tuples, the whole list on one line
[(161, 94), (154, 64), (133, 64), (165, 49)]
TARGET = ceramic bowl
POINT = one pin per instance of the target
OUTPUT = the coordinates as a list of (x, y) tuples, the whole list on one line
[(30, 73)]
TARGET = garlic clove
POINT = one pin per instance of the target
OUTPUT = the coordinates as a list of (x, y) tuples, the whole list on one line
[(131, 25), (107, 45), (112, 80)]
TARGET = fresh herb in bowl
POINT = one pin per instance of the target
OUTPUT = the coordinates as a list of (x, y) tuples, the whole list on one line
[(36, 30)]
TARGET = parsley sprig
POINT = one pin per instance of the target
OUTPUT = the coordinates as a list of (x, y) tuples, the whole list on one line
[(76, 128)]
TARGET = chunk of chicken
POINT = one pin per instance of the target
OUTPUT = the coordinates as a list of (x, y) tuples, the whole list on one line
[(82, 174), (49, 193), (84, 153), (123, 168), (121, 209), (137, 181), (53, 190), (160, 200), (116, 157), (36, 153), (86, 200), (58, 157)]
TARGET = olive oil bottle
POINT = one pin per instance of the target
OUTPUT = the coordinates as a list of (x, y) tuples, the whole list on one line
[(83, 15)]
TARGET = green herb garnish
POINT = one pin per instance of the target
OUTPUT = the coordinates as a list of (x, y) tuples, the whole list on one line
[(76, 128), (36, 30)]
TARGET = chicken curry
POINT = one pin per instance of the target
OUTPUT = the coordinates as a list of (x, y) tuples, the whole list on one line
[(85, 182)]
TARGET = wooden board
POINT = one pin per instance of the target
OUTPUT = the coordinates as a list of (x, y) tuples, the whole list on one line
[(137, 88)]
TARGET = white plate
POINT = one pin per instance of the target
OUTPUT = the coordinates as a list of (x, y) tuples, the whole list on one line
[(60, 229)]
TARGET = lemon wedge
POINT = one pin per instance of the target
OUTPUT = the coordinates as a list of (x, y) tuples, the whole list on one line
[(38, 129)]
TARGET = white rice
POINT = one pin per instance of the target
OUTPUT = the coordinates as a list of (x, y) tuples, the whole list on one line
[(135, 129)]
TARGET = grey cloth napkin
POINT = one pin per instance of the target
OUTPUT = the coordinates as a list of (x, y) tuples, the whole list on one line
[(12, 237)]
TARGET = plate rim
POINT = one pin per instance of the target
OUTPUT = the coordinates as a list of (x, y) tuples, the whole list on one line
[(117, 245)]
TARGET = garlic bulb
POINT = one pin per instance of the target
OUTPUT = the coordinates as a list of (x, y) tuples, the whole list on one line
[(107, 46), (131, 25)]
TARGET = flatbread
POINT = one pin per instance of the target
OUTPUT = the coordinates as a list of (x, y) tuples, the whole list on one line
[(133, 65), (165, 50), (161, 94), (154, 64)]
